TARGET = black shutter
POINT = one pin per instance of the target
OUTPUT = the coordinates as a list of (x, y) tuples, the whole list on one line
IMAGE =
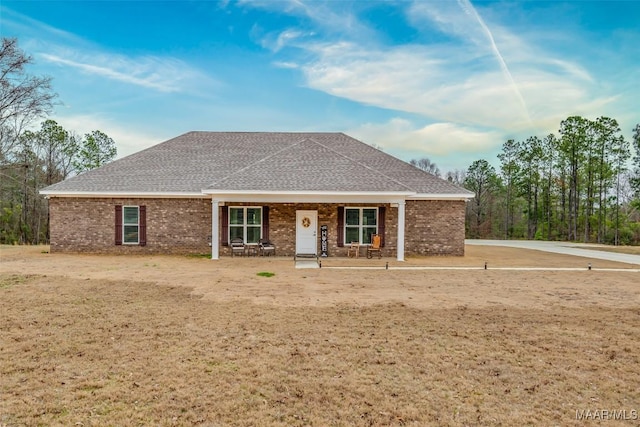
[(224, 226), (381, 214), (340, 226), (118, 224), (265, 222), (143, 226)]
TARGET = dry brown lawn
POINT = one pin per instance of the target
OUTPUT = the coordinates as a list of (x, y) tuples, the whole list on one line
[(91, 340)]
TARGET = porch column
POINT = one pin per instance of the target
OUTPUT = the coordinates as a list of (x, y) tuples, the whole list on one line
[(215, 228), (401, 230)]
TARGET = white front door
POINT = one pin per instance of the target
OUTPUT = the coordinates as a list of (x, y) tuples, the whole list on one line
[(306, 232)]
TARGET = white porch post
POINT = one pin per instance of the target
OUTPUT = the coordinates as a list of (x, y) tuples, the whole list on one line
[(401, 230), (215, 226)]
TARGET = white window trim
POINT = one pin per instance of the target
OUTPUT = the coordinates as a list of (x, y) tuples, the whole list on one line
[(125, 225), (360, 226), (244, 225)]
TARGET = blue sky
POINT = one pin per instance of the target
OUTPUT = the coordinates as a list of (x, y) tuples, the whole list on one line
[(448, 80)]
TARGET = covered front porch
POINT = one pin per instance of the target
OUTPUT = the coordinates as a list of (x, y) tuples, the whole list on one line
[(320, 225)]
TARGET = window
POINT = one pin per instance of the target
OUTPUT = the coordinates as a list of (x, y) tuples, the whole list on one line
[(246, 223), (360, 224), (131, 225)]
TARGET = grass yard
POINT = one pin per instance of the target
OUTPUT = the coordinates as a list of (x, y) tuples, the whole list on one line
[(81, 349)]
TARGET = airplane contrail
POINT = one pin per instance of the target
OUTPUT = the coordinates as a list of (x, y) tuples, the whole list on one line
[(468, 8)]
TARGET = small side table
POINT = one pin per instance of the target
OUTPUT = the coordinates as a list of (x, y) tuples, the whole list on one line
[(251, 249)]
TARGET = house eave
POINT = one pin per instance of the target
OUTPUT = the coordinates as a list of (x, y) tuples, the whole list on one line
[(129, 194), (268, 196), (432, 196)]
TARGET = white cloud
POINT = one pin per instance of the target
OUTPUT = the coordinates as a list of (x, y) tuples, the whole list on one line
[(22, 24), (419, 79), (332, 18), (161, 74), (449, 17), (438, 140), (286, 64), (276, 41), (450, 146)]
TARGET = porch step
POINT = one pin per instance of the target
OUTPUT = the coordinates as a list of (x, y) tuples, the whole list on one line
[(306, 261)]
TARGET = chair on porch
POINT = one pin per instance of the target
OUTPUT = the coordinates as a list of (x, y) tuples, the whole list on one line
[(237, 246), (376, 246), (266, 247), (353, 251)]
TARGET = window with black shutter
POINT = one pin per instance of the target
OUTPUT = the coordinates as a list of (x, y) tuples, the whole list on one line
[(265, 222), (224, 225), (118, 224), (340, 226), (381, 224), (143, 225)]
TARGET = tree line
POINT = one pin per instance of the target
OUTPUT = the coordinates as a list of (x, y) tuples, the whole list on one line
[(582, 184), (33, 159)]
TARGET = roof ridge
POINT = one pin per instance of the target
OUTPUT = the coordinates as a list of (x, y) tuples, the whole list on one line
[(363, 164)]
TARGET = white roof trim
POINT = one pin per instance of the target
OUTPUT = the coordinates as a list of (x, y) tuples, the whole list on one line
[(132, 194), (461, 196)]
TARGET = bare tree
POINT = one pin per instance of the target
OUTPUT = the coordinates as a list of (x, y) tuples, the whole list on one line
[(23, 97), (426, 165), (456, 176)]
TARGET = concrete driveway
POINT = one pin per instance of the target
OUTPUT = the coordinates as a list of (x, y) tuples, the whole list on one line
[(567, 248)]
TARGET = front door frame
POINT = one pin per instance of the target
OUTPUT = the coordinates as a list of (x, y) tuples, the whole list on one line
[(306, 229)]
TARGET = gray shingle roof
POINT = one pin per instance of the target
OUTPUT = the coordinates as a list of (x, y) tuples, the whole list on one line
[(260, 162)]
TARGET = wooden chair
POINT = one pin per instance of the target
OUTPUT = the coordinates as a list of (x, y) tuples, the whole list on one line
[(266, 247), (375, 246), (353, 251), (237, 246)]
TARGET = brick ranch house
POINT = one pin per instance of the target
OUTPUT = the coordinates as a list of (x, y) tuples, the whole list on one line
[(305, 192)]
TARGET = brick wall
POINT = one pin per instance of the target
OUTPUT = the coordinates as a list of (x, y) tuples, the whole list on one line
[(434, 227), (174, 226), (182, 226)]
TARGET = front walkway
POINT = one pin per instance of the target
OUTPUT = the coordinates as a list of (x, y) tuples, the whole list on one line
[(566, 248)]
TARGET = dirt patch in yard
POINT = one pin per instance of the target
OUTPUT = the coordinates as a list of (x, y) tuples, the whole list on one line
[(108, 340), (233, 279)]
